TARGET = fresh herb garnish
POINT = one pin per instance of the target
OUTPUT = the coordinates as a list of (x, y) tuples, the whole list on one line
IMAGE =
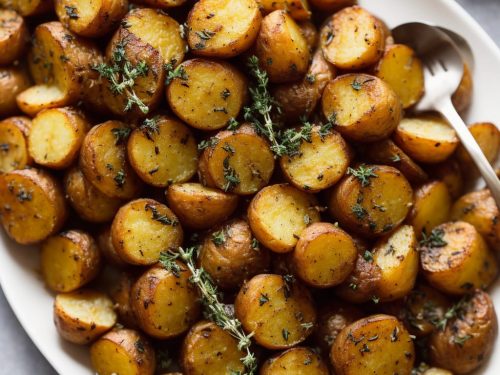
[(71, 12), (359, 211), (219, 238), (263, 299), (164, 219), (230, 175), (150, 126), (120, 178), (121, 134), (363, 174), (174, 72), (435, 239)]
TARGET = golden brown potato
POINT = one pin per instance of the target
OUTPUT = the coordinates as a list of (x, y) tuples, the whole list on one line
[(142, 229), (230, 165), (437, 371), (462, 97), (324, 256), (163, 151), (223, 28), (279, 213), (277, 309), (281, 48), (403, 71), (372, 200), (386, 152), (297, 361), (31, 198), (397, 259), (165, 304), (107, 248), (90, 204), (431, 207), (487, 136), (200, 207), (162, 4), (28, 7), (450, 173), (455, 258), (69, 260), (13, 143), (426, 138), (297, 9), (331, 5), (231, 255), (479, 209), (123, 351), (56, 136), (301, 98), (310, 32), (365, 108), (13, 36), (377, 344), (318, 163), (352, 39), (91, 19), (207, 94), (208, 349), (103, 161), (82, 316), (468, 337), (13, 81), (122, 297)]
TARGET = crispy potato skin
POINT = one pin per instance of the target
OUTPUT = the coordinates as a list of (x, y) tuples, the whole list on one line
[(275, 310), (479, 209), (208, 349), (356, 350), (28, 8), (13, 81), (31, 198), (14, 36), (165, 305), (108, 250), (298, 360), (451, 174), (487, 136), (281, 48), (310, 33), (461, 263), (69, 260), (123, 351), (468, 338), (366, 109), (13, 137), (121, 296), (462, 98), (237, 259)]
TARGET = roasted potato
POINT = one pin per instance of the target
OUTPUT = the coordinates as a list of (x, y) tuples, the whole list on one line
[(13, 81), (28, 7), (377, 344), (90, 204), (468, 337), (14, 36), (163, 151), (398, 261), (403, 71), (450, 173), (319, 163), (208, 349), (279, 213), (487, 137), (223, 28), (479, 209), (231, 255), (372, 200), (277, 309), (426, 138), (232, 168), (281, 48), (324, 256), (200, 207), (82, 316), (91, 19), (431, 207), (331, 5), (103, 161), (364, 108), (386, 152), (352, 39), (298, 10), (56, 136), (455, 259), (31, 198), (14, 153), (122, 297), (165, 303), (310, 32), (69, 260), (142, 229), (162, 4), (123, 351), (298, 361), (207, 93), (462, 97), (107, 248)]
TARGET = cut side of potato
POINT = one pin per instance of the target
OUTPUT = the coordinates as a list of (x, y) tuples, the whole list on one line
[(39, 97), (295, 361), (13, 143)]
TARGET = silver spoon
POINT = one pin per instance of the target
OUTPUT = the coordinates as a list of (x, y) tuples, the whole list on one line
[(443, 70)]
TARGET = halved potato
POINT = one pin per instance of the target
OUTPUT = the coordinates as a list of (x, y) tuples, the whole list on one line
[(14, 36), (310, 32), (13, 81), (297, 9), (296, 361), (14, 153), (28, 7), (451, 174), (487, 136), (84, 315), (107, 248)]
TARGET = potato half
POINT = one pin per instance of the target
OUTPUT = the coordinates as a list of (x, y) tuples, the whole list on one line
[(14, 153), (296, 361), (13, 81), (28, 8), (14, 36), (451, 174), (487, 137)]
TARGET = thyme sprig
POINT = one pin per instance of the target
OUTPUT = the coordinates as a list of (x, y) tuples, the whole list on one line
[(363, 174), (122, 74), (435, 239), (215, 309), (174, 72)]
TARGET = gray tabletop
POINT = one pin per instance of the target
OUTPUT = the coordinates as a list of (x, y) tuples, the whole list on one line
[(19, 356)]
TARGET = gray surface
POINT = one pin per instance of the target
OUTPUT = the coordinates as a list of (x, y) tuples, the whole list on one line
[(20, 357)]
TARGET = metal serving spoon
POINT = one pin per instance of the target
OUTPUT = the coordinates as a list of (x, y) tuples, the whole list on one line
[(443, 70)]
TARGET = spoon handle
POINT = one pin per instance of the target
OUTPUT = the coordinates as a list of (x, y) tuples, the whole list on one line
[(470, 144)]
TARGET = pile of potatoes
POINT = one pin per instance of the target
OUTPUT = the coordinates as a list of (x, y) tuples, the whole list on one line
[(360, 253)]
